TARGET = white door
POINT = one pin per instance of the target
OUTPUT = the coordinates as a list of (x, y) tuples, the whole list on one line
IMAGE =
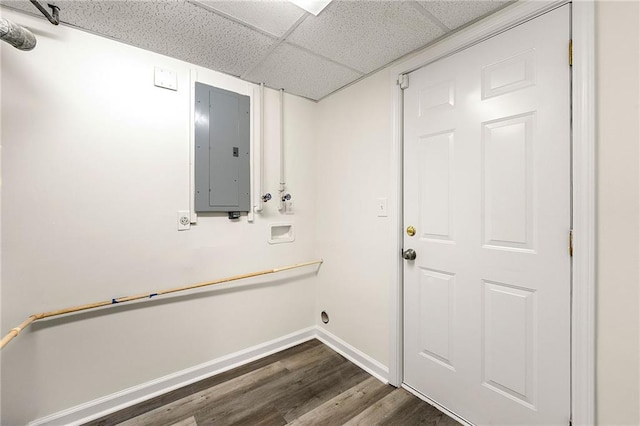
[(487, 160)]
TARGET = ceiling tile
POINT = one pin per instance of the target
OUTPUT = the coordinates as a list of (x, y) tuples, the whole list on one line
[(455, 13), (301, 73), (21, 5), (274, 17), (174, 28), (365, 35), (362, 35), (214, 42)]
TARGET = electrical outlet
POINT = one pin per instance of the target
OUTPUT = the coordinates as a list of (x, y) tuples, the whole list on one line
[(184, 220)]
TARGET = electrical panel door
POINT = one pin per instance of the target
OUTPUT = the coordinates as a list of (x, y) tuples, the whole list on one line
[(222, 150)]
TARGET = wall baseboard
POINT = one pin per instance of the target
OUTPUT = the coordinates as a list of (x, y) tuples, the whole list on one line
[(126, 398), (362, 360)]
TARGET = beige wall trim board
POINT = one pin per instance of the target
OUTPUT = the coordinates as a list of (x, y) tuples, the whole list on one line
[(117, 401), (583, 298), (362, 360)]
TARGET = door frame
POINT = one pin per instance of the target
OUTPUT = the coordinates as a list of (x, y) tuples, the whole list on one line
[(583, 185)]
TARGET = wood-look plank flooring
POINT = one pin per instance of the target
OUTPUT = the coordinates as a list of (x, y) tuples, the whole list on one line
[(308, 384)]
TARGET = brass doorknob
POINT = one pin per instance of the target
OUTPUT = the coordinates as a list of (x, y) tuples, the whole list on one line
[(411, 231)]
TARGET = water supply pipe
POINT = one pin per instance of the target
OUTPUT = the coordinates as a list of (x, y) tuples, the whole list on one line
[(282, 196), (263, 198)]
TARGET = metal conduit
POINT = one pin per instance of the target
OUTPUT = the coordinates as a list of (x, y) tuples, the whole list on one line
[(55, 19), (20, 37)]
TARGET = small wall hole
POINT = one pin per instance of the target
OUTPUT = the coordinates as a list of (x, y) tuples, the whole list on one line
[(325, 317)]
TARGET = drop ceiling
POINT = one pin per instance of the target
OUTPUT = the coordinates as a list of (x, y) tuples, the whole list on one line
[(275, 42)]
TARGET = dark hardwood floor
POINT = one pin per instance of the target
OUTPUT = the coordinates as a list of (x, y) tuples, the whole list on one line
[(308, 384)]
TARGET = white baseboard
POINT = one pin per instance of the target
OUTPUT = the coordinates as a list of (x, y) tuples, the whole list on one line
[(117, 401), (359, 358)]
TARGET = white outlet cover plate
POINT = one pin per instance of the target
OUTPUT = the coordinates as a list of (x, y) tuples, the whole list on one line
[(165, 78), (184, 220)]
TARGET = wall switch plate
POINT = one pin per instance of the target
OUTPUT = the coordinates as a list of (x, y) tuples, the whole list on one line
[(165, 78), (184, 220), (382, 207)]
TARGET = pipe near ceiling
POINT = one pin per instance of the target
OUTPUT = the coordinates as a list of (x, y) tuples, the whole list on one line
[(17, 36), (281, 189), (53, 17)]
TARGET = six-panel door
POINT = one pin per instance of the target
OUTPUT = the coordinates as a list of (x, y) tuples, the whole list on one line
[(487, 186)]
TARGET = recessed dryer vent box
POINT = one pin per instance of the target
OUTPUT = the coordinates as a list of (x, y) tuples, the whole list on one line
[(281, 233), (222, 125)]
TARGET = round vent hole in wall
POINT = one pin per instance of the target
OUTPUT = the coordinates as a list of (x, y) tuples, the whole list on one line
[(325, 317)]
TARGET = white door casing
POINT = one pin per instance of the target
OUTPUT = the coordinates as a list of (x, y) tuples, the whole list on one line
[(487, 186)]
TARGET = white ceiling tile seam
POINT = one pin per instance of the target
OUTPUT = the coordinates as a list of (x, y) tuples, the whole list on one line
[(430, 16), (275, 46), (274, 17), (300, 72), (231, 18), (365, 35), (318, 55)]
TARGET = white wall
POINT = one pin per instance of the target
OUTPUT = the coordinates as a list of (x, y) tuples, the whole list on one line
[(95, 165), (353, 151), (353, 159), (618, 269), (87, 137), (1, 325)]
